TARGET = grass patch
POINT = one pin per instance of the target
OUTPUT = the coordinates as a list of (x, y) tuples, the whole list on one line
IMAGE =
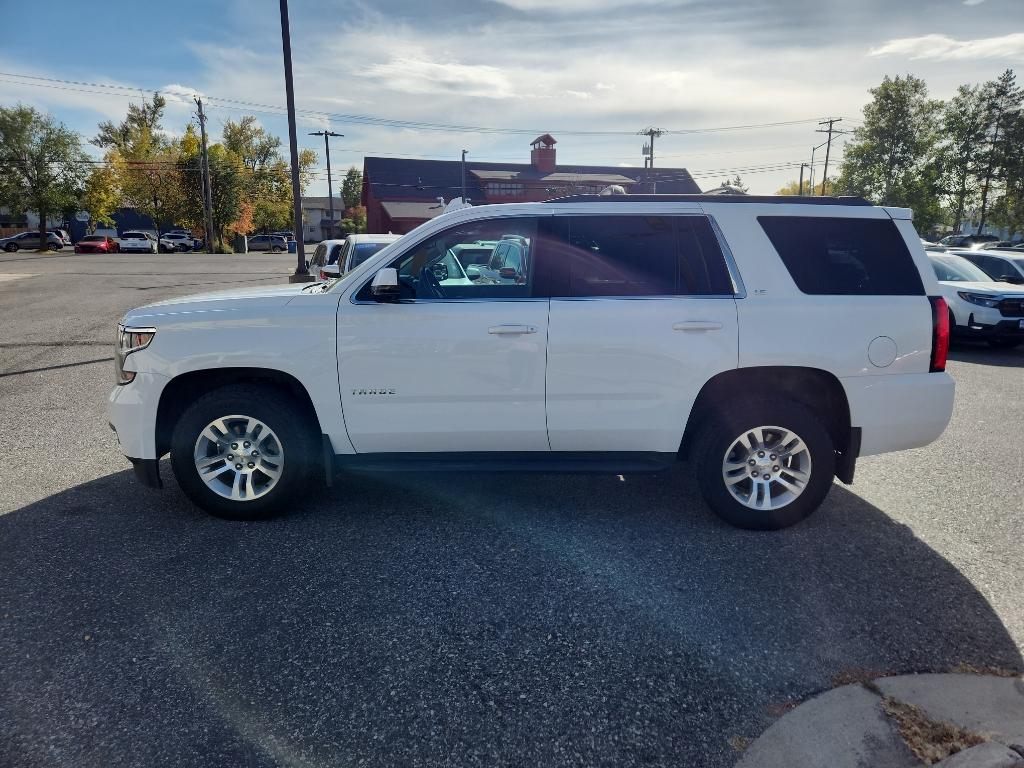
[(931, 740)]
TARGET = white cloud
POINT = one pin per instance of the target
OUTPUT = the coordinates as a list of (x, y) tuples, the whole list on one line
[(586, 6), (414, 74), (973, 2), (947, 48)]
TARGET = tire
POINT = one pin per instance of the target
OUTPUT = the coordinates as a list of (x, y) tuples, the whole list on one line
[(11, 247), (717, 441), (1005, 343), (54, 248), (286, 446), (182, 248), (275, 249)]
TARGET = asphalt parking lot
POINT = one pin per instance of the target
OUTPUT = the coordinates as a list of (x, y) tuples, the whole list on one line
[(454, 621)]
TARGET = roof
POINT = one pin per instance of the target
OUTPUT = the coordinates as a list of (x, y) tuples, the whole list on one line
[(546, 138), (322, 202), (412, 210), (713, 198), (394, 177)]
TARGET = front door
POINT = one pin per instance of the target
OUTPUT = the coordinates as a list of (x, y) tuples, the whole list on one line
[(643, 313), (456, 365)]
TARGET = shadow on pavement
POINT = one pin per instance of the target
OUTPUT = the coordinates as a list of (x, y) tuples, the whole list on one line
[(450, 620), (982, 354)]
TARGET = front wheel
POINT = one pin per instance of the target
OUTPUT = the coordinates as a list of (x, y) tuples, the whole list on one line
[(275, 249), (11, 247), (243, 452), (764, 465)]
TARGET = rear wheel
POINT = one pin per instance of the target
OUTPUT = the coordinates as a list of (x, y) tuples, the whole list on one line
[(764, 465), (275, 249), (243, 452), (11, 247)]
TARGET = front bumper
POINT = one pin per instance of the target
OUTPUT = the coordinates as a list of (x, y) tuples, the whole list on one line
[(978, 328), (132, 412)]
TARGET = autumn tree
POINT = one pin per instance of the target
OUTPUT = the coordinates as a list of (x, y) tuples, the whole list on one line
[(43, 165), (793, 188), (227, 187), (891, 160), (102, 194)]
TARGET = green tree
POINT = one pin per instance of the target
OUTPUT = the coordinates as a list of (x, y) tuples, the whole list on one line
[(1003, 100), (250, 141), (352, 188), (227, 188), (964, 119), (1008, 209), (143, 120), (43, 164), (736, 183), (892, 158)]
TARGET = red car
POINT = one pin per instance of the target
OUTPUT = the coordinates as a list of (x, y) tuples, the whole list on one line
[(97, 244)]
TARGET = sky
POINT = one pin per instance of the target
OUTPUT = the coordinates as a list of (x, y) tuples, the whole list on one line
[(591, 72)]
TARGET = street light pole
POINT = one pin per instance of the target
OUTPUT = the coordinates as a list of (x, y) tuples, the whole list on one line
[(301, 274), (327, 150), (464, 175)]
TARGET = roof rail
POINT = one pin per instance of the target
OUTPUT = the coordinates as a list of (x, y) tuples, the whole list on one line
[(775, 199)]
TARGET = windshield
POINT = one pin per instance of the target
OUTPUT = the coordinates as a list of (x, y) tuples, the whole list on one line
[(956, 269), (93, 239)]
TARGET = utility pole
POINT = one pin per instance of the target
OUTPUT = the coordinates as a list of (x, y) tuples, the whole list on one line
[(301, 274), (464, 175), (207, 190), (330, 189), (651, 133), (802, 166), (828, 145)]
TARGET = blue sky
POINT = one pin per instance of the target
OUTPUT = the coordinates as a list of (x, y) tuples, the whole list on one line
[(612, 66)]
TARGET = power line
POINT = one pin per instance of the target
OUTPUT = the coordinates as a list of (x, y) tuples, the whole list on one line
[(278, 110)]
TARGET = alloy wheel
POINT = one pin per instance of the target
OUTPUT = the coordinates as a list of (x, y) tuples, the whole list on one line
[(239, 457), (767, 467)]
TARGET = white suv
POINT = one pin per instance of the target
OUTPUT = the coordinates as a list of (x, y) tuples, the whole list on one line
[(769, 342)]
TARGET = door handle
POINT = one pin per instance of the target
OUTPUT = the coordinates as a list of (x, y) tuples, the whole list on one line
[(511, 329), (697, 325)]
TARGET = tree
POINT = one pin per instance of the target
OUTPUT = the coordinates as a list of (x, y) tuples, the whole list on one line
[(227, 187), (891, 152), (1008, 209), (963, 129), (142, 120), (250, 141), (352, 188), (1003, 100), (354, 220), (793, 188), (102, 193), (736, 183), (43, 164)]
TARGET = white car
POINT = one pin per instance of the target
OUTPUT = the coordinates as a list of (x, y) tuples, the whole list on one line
[(979, 307), (1005, 266), (345, 255), (767, 342), (176, 241), (137, 241)]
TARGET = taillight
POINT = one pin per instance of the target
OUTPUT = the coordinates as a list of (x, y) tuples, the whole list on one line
[(940, 333)]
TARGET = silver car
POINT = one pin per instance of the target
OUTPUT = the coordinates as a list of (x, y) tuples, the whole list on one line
[(30, 241)]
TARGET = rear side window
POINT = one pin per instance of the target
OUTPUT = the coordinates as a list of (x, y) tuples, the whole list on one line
[(636, 256), (844, 257)]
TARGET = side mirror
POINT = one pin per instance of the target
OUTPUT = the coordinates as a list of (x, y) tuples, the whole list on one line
[(385, 285), (440, 272), (473, 272), (330, 271), (1015, 279)]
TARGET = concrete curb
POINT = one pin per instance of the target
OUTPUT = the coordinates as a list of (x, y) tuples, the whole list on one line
[(848, 727)]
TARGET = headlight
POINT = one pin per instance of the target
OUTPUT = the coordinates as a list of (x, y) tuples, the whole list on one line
[(980, 299), (130, 340)]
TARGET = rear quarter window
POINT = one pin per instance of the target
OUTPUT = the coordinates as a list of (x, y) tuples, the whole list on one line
[(844, 257)]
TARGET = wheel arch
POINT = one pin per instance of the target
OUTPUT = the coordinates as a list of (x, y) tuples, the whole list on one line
[(183, 389), (817, 390)]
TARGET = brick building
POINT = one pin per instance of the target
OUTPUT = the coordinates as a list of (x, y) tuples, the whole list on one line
[(401, 194)]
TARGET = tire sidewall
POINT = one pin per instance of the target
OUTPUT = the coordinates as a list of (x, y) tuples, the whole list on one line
[(718, 436), (274, 408)]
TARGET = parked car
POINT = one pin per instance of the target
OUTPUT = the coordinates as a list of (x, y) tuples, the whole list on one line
[(1006, 266), (357, 248), (97, 244), (138, 241), (272, 243), (285, 234), (470, 254), (768, 342), (179, 242), (979, 307), (63, 235), (507, 264), (30, 241), (325, 253), (967, 241)]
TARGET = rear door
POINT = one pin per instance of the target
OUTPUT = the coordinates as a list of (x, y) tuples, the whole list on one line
[(643, 313)]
